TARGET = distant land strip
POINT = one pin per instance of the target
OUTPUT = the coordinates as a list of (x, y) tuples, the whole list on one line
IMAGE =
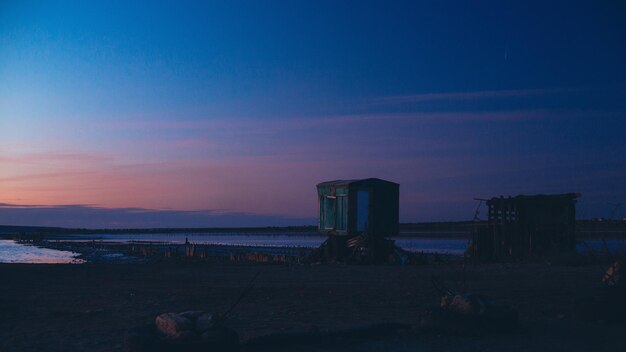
[(586, 228)]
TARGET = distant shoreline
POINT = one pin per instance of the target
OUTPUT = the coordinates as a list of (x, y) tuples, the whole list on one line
[(451, 229)]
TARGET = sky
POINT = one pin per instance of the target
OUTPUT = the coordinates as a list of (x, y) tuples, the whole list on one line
[(192, 114)]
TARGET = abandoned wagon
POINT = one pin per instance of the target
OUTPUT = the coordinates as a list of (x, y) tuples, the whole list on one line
[(526, 226), (368, 207)]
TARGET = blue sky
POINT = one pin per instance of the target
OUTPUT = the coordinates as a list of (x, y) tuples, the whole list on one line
[(235, 110)]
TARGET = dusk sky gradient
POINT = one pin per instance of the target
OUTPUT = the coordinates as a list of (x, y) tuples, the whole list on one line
[(184, 114)]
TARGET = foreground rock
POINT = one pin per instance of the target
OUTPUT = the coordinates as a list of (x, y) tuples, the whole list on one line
[(469, 314), (185, 331), (174, 326), (613, 275)]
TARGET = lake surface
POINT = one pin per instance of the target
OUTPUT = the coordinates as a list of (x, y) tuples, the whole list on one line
[(427, 242), (290, 240), (599, 246), (12, 252)]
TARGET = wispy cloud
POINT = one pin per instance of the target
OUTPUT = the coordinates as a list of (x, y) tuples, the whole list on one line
[(88, 216), (454, 116), (471, 95), (56, 158), (49, 176), (270, 166), (221, 132)]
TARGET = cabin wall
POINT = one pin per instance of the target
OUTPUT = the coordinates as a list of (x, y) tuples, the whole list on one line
[(385, 210)]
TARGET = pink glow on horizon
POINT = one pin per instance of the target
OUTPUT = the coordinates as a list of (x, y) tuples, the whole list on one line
[(256, 166), (264, 185)]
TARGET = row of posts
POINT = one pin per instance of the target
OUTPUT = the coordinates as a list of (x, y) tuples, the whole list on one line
[(196, 251)]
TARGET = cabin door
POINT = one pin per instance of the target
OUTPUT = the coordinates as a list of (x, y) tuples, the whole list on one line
[(330, 203), (362, 211)]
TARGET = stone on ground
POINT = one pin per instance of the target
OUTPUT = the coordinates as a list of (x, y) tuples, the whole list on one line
[(174, 325)]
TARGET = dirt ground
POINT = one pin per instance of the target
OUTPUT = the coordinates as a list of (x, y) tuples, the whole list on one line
[(89, 307)]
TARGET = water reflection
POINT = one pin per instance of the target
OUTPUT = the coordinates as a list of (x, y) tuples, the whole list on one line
[(12, 252)]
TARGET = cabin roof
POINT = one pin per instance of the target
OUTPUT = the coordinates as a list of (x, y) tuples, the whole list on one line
[(337, 183)]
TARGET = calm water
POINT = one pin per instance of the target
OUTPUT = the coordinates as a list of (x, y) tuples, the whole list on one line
[(435, 242), (599, 246), (428, 242), (12, 252), (234, 239), (297, 240)]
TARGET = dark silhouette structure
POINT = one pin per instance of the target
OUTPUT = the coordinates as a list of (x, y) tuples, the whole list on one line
[(368, 207), (526, 226), (358, 216)]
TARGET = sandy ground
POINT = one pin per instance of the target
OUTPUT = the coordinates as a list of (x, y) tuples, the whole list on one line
[(89, 307)]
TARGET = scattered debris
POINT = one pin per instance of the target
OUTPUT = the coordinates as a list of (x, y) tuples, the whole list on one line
[(147, 338), (466, 313), (362, 250), (259, 257), (175, 326), (185, 331), (612, 277), (192, 330)]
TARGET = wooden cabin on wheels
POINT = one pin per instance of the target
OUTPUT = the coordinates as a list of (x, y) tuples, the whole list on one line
[(358, 216), (359, 207)]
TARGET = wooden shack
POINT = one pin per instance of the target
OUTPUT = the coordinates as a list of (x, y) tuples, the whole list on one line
[(367, 207), (526, 226), (358, 216)]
